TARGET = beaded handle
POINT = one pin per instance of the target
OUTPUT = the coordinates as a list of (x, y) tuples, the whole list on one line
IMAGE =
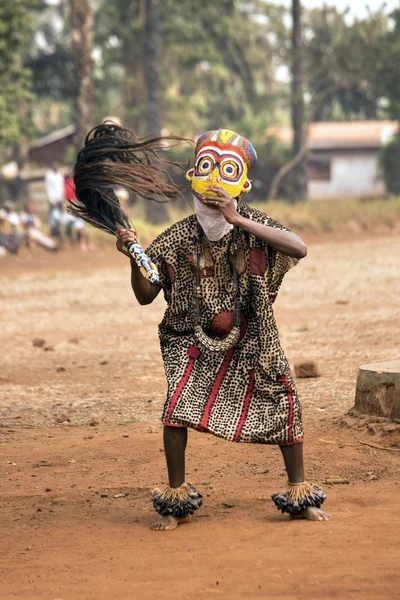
[(147, 268)]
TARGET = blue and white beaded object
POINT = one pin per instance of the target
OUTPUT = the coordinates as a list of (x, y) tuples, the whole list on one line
[(147, 268)]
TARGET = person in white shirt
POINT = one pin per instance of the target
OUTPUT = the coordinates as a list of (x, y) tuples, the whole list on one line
[(54, 183)]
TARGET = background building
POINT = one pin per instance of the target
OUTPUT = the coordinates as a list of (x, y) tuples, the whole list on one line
[(343, 160)]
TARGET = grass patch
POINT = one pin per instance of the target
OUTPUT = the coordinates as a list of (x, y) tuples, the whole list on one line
[(339, 216)]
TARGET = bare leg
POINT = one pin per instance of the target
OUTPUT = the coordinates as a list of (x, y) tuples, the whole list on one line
[(294, 463), (175, 441)]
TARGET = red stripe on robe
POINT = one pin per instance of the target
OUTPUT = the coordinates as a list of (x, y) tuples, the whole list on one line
[(245, 408), (193, 353), (215, 389), (285, 381)]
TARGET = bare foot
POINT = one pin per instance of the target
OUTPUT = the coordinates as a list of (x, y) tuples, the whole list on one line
[(170, 523), (313, 514)]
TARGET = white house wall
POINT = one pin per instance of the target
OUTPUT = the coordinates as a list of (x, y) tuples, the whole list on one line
[(353, 175)]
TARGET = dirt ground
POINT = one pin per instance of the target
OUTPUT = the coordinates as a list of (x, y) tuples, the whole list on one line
[(81, 447)]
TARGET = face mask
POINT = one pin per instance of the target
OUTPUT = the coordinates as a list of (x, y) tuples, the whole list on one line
[(223, 158), (211, 220)]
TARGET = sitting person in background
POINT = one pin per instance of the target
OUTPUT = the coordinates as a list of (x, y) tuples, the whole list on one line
[(32, 227), (10, 229)]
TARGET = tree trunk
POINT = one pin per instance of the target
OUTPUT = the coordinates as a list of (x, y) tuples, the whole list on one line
[(155, 212), (378, 390), (288, 167), (152, 67), (299, 191), (82, 21), (22, 158), (134, 85)]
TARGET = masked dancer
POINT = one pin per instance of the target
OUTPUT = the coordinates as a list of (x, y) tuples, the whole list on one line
[(220, 271)]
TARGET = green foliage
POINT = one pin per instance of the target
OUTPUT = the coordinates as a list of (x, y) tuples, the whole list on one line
[(387, 61), (339, 216), (218, 63), (222, 61), (344, 55), (119, 85), (52, 76), (15, 35), (219, 68), (387, 84), (48, 59)]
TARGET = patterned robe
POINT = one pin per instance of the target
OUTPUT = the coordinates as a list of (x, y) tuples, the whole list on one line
[(246, 394)]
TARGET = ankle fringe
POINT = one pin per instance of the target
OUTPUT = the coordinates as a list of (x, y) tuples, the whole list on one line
[(301, 490), (178, 502), (171, 494), (299, 497)]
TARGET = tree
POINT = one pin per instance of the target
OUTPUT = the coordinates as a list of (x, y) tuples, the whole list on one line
[(156, 212), (343, 63), (386, 83), (119, 73), (217, 68), (49, 54), (152, 67), (299, 175), (219, 64), (16, 28), (388, 55), (82, 21), (344, 55)]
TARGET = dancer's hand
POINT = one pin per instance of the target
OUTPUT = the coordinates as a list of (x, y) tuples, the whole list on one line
[(124, 236), (222, 202)]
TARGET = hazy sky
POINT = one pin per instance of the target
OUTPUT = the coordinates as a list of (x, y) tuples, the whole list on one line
[(358, 8)]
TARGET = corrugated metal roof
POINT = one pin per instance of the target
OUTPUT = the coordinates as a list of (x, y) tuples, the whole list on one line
[(342, 134), (52, 137)]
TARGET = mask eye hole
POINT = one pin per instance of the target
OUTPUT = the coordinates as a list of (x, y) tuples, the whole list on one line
[(230, 169), (204, 166)]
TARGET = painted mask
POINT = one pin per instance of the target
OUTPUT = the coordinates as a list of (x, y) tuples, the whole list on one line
[(223, 158)]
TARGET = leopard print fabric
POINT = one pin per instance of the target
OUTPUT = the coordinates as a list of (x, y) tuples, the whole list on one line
[(247, 394)]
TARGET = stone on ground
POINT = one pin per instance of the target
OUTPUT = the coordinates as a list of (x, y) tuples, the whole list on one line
[(306, 369)]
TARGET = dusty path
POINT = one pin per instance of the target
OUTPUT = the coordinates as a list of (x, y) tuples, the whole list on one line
[(71, 543), (340, 307)]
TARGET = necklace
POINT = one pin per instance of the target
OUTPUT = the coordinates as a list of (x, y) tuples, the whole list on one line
[(200, 336)]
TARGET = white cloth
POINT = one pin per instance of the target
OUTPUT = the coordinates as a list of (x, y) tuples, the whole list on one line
[(54, 182), (66, 218), (212, 221), (13, 218), (41, 239)]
